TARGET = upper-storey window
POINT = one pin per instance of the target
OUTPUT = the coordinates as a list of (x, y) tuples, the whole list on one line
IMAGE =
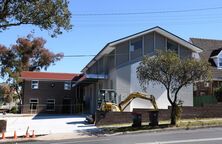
[(220, 62), (67, 85), (136, 48), (172, 46), (149, 43), (185, 53), (122, 53), (35, 84), (160, 42)]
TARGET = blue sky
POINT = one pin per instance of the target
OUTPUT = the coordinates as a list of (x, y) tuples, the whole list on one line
[(91, 33)]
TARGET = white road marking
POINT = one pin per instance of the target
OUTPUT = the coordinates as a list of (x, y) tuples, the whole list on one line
[(84, 141), (184, 141)]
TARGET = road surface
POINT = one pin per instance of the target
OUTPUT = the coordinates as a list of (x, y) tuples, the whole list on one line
[(198, 136)]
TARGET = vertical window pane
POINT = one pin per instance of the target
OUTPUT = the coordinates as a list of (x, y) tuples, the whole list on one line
[(220, 62), (149, 43), (172, 46), (136, 48), (160, 43), (122, 53)]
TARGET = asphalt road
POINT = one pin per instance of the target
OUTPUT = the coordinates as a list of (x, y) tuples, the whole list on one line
[(198, 136)]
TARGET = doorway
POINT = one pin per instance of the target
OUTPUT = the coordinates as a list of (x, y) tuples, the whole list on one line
[(67, 106)]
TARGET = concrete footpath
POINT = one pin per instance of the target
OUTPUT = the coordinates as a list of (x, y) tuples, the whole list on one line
[(54, 126)]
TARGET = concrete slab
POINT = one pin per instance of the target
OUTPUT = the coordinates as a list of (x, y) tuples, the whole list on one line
[(47, 124)]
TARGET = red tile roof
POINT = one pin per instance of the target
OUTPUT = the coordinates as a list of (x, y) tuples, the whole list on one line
[(48, 75)]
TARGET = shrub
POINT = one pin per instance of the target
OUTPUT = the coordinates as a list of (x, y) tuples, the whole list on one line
[(218, 94), (14, 109)]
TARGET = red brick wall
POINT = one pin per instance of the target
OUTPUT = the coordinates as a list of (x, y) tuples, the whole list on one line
[(46, 91)]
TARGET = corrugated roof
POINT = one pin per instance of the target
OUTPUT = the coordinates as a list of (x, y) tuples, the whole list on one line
[(48, 75), (210, 47)]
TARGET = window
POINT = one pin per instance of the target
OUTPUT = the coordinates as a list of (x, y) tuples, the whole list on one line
[(35, 84), (50, 105), (220, 62), (206, 84), (136, 48), (33, 104), (172, 46), (67, 85), (149, 43), (122, 53)]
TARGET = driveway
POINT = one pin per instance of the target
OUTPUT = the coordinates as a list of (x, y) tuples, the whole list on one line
[(46, 124)]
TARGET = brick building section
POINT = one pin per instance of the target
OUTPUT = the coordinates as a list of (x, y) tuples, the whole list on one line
[(50, 87), (208, 111)]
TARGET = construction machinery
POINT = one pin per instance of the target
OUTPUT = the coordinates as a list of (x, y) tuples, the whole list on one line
[(107, 100)]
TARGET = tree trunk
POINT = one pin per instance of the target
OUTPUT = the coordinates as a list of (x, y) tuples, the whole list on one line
[(173, 114)]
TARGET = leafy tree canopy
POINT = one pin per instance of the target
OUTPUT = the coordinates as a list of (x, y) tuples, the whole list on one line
[(52, 15), (174, 73), (28, 54), (6, 94)]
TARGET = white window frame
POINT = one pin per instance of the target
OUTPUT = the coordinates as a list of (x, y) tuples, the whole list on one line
[(35, 85), (67, 85), (47, 102)]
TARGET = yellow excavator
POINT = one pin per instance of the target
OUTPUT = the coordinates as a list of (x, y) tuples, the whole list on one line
[(111, 106), (107, 102)]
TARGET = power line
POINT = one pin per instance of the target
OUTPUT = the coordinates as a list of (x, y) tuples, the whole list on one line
[(144, 13), (79, 55)]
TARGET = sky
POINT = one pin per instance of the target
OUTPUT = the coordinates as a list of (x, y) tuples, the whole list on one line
[(92, 32)]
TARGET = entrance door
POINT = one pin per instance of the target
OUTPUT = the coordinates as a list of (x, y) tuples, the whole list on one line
[(67, 106)]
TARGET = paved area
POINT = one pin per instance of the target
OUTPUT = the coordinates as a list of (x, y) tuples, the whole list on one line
[(51, 124)]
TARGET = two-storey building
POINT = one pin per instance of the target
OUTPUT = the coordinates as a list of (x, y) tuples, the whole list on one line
[(114, 67), (50, 93)]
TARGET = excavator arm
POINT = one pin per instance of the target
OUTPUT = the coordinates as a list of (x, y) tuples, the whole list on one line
[(123, 104)]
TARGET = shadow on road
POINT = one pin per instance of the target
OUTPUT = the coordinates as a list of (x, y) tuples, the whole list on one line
[(91, 132)]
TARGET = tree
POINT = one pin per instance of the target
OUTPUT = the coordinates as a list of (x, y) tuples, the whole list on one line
[(173, 73), (6, 93), (28, 54), (52, 15)]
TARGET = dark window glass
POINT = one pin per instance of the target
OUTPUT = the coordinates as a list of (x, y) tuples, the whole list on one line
[(172, 46), (136, 48), (50, 105), (33, 104)]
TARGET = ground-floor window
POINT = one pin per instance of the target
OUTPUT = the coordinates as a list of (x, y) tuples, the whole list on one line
[(33, 104), (50, 105)]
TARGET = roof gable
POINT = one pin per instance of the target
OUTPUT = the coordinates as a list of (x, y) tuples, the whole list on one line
[(111, 46), (211, 48)]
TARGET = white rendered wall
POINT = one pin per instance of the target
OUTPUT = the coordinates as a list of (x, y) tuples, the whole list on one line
[(185, 94)]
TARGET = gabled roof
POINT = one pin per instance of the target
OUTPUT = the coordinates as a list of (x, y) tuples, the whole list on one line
[(207, 45), (211, 48), (111, 46), (27, 75)]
